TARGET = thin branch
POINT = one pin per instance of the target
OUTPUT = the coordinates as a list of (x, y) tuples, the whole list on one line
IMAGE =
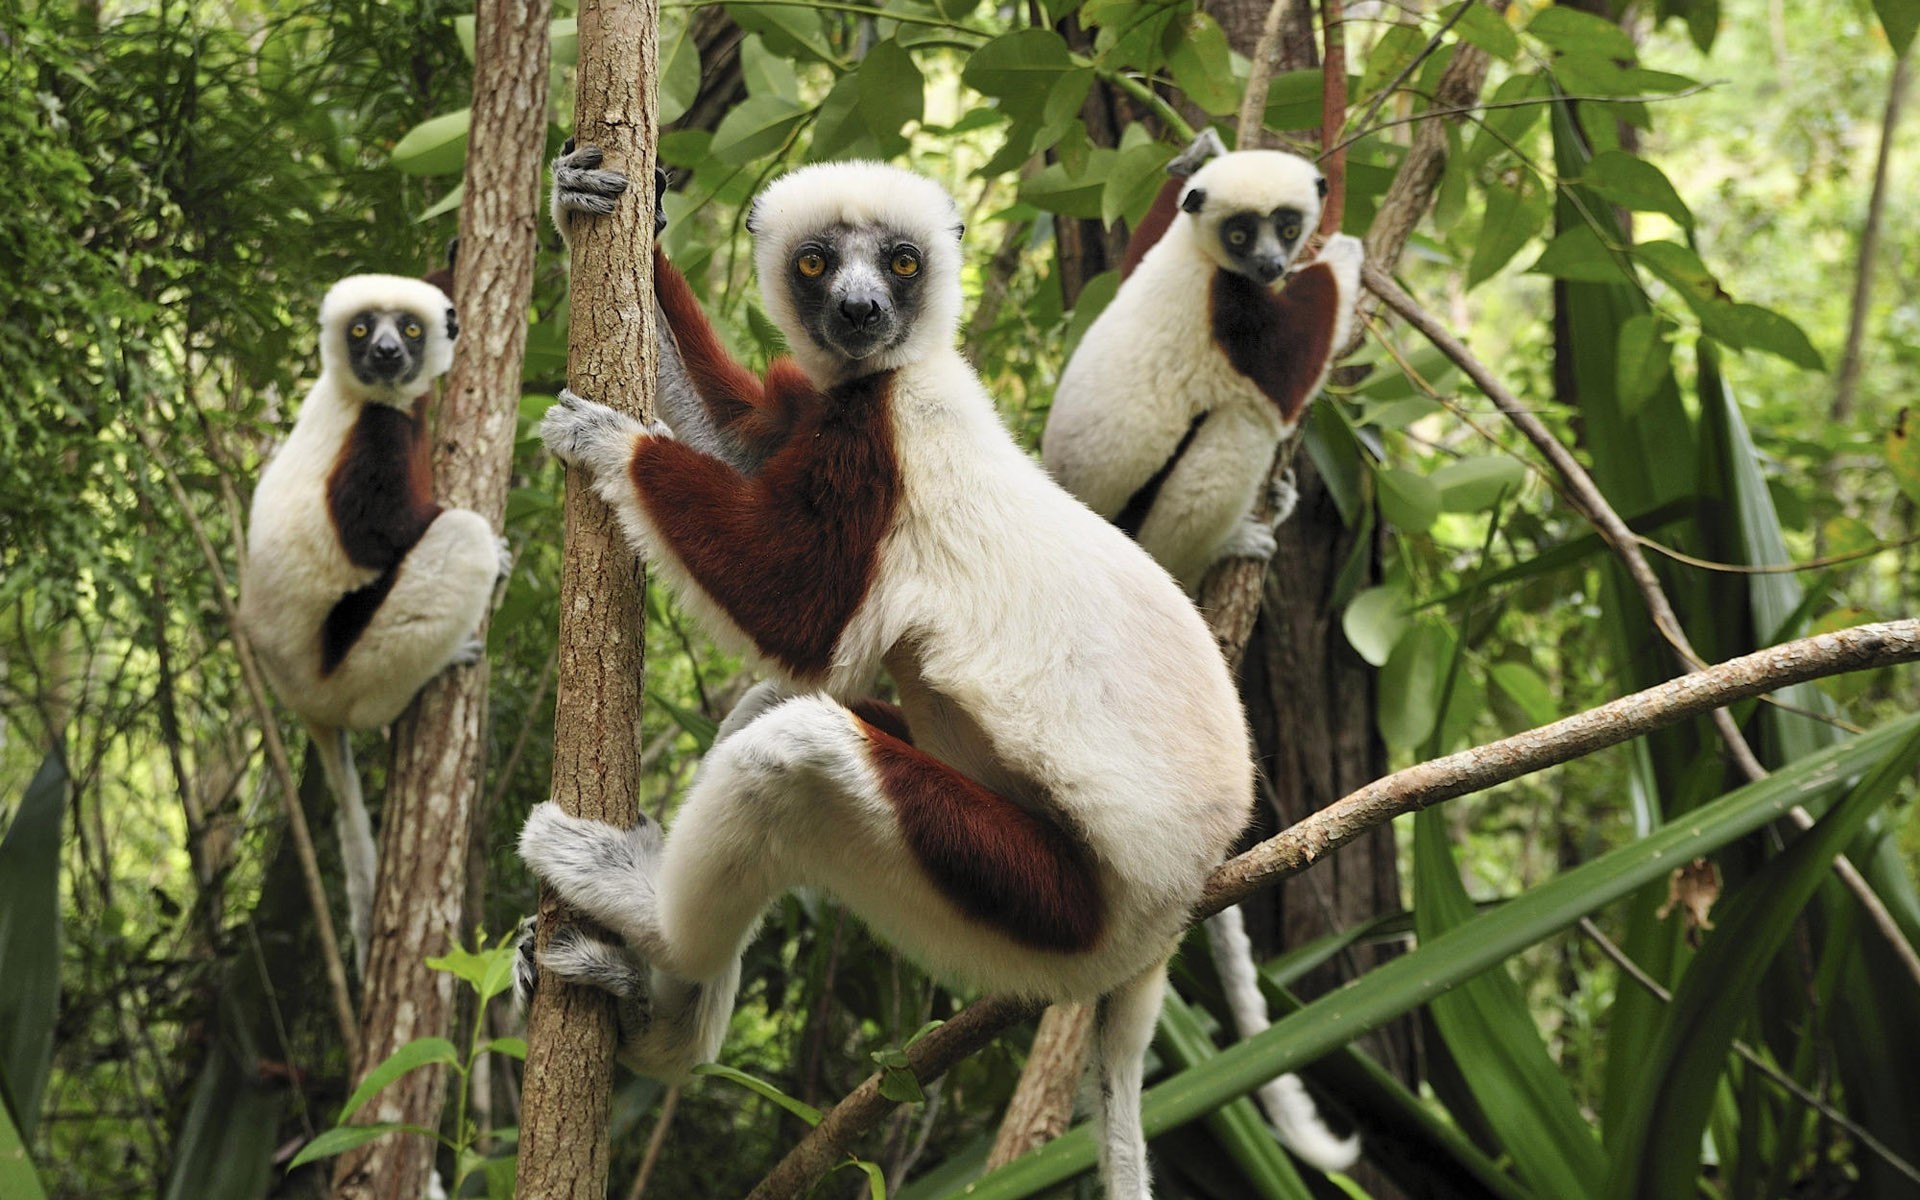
[(1294, 850), (1251, 124), (1427, 114), (1848, 376)]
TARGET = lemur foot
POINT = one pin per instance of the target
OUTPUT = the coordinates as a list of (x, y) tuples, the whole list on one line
[(471, 650), (1345, 254), (578, 957), (1285, 497), (606, 873), (504, 550), (1251, 538), (582, 185), (586, 434), (1205, 145)]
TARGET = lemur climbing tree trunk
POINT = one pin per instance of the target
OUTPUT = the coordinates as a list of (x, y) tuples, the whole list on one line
[(439, 759), (602, 652)]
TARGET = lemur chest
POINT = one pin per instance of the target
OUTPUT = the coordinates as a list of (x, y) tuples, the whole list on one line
[(379, 492)]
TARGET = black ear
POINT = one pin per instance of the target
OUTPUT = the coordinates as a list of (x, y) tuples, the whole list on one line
[(753, 218), (959, 230), (1193, 199), (1320, 185), (453, 326)]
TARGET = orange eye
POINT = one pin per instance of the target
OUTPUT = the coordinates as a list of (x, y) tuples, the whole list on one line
[(906, 264), (811, 265), (413, 329), (359, 329)]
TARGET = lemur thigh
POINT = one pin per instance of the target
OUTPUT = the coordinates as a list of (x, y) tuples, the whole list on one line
[(440, 591)]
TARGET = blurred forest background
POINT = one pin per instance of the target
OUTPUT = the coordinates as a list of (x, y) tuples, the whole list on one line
[(1681, 231)]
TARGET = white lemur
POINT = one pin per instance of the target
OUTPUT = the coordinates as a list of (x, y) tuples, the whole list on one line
[(358, 587), (1068, 761), (1168, 416)]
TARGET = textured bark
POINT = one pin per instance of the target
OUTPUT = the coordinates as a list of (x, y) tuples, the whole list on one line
[(1042, 1104), (597, 701), (1864, 647), (440, 743)]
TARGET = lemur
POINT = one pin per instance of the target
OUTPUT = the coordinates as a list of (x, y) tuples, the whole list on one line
[(1167, 418), (1068, 760), (358, 588)]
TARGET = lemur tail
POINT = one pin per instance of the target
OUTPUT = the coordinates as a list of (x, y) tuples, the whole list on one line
[(1123, 1024), (358, 852), (1288, 1107)]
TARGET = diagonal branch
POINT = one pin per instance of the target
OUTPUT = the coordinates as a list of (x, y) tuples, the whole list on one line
[(1294, 850)]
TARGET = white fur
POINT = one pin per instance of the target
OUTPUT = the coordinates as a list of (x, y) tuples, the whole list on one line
[(1149, 365), (297, 570), (1037, 649)]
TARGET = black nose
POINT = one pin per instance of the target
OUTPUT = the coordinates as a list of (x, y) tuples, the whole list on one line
[(860, 311), (385, 351), (1269, 267)]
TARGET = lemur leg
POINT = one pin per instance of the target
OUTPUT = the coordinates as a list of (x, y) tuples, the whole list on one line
[(426, 621), (1123, 1026)]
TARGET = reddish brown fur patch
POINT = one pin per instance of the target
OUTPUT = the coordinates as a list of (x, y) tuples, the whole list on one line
[(762, 414), (998, 863), (1152, 226), (883, 716), (380, 498), (1280, 341), (790, 552)]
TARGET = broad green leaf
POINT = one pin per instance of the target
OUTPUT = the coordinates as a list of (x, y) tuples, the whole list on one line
[(1903, 454), (892, 92), (1397, 47), (760, 1087), (447, 203), (1375, 621), (1518, 1088), (1408, 699), (18, 1180), (1515, 106), (417, 1053), (1523, 685), (680, 66), (1018, 68), (1239, 1126), (30, 942), (1202, 64), (223, 1147), (1751, 327), (876, 1178), (1518, 205), (1581, 35), (897, 1081), (1634, 183), (1404, 983), (1484, 27), (1072, 194), (1134, 181), (489, 971), (436, 146), (790, 30), (1900, 18), (512, 1047), (1293, 100), (1646, 358), (1848, 535), (1656, 1157), (1409, 501), (766, 73), (347, 1137), (755, 128), (1680, 267), (1093, 300), (1473, 484), (1579, 255)]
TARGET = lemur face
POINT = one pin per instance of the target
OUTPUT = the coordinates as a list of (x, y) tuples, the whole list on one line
[(386, 347), (1260, 245), (857, 291), (1252, 210)]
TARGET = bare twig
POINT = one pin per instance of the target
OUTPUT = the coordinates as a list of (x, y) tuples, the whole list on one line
[(1848, 376), (1294, 850)]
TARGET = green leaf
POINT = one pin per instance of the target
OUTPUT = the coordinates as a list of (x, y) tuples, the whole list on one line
[(702, 727), (1404, 983), (1900, 18), (1751, 327), (418, 1053), (1510, 116), (1018, 68), (1473, 484), (1580, 255), (1409, 697), (447, 203), (755, 128), (512, 1047), (30, 942), (892, 91), (1375, 621), (760, 1087), (1581, 35), (1073, 194), (876, 1178), (1523, 685), (1646, 358), (488, 971), (1680, 267), (1481, 26), (347, 1137), (766, 73), (1517, 209), (1903, 454), (1294, 100), (1238, 1125), (680, 66), (436, 146), (789, 30), (1134, 181), (1656, 1157), (1202, 64), (1409, 501), (18, 1180), (1519, 1090), (1634, 183)]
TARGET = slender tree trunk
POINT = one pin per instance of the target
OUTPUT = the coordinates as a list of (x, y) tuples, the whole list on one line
[(440, 745), (597, 701), (1849, 373)]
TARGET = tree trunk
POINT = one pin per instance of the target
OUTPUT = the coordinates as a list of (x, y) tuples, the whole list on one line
[(597, 701), (440, 745)]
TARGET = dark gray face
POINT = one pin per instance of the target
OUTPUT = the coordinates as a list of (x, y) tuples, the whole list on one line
[(1260, 247), (386, 346), (857, 291)]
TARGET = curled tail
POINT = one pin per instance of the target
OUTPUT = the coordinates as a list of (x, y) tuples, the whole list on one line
[(358, 852), (1285, 1101)]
